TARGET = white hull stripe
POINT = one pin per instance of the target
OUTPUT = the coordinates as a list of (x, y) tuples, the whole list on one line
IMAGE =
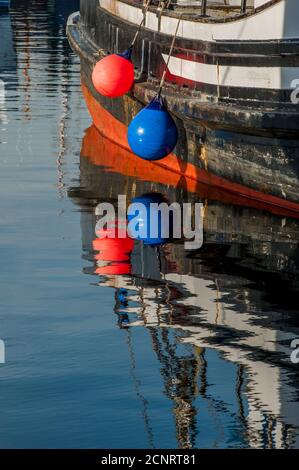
[(279, 21), (233, 76)]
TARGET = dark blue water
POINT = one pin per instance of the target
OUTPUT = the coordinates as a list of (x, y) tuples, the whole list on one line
[(188, 350)]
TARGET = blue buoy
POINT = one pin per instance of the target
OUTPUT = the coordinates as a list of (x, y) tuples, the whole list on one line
[(150, 224), (152, 134)]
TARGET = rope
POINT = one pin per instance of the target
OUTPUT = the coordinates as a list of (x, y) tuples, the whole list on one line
[(168, 58)]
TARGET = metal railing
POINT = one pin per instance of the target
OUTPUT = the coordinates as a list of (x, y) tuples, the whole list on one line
[(204, 6)]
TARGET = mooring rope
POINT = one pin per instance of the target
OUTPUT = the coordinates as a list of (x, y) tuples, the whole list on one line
[(168, 58)]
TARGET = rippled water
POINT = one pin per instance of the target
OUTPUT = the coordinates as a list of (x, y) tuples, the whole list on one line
[(186, 349)]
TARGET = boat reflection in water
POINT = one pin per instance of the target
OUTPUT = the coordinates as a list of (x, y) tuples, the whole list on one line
[(224, 311)]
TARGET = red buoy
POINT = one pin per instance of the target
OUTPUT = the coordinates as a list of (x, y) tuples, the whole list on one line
[(113, 76)]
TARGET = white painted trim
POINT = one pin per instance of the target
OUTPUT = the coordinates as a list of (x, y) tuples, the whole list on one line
[(279, 21), (233, 76)]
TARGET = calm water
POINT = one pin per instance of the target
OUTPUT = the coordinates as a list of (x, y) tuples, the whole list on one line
[(186, 349)]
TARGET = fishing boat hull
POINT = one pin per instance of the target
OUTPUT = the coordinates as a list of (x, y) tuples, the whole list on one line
[(252, 150)]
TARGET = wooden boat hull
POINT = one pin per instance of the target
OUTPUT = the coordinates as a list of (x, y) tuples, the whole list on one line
[(212, 147)]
